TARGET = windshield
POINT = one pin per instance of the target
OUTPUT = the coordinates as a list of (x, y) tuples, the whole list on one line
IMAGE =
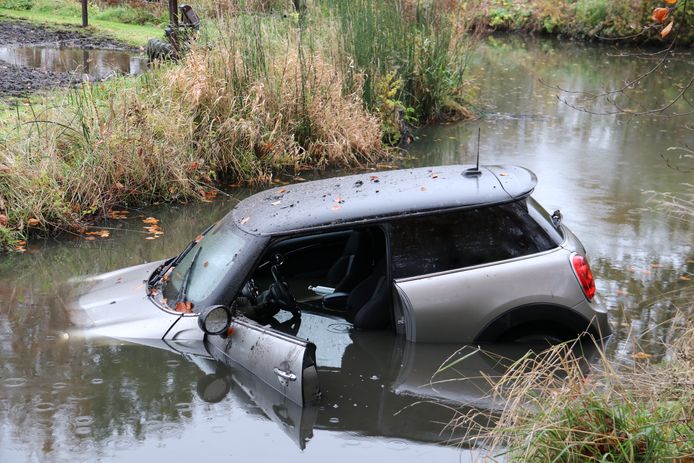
[(207, 264)]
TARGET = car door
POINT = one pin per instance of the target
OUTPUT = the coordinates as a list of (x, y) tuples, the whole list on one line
[(455, 271)]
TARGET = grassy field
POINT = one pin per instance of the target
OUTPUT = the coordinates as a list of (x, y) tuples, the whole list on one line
[(133, 34)]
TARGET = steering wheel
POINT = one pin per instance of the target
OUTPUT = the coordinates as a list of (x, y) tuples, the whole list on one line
[(280, 289)]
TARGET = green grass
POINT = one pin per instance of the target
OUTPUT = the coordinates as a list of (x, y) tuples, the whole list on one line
[(133, 34)]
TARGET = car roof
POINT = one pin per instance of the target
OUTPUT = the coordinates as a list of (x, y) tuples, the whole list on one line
[(377, 195)]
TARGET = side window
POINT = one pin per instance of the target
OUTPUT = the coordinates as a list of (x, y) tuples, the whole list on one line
[(435, 243)]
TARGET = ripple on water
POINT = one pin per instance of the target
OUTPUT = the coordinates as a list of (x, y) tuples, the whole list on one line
[(14, 382), (339, 327), (84, 420), (183, 407), (397, 445), (83, 431), (44, 407), (97, 381), (334, 420), (59, 385), (173, 363)]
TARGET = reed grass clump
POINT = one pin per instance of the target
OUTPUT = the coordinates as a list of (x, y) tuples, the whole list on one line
[(269, 86), (254, 103), (557, 407)]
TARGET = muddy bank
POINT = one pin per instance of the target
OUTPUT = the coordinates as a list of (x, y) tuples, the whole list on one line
[(18, 80)]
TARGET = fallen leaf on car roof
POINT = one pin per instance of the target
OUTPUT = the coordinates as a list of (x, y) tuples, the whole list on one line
[(275, 203), (245, 220)]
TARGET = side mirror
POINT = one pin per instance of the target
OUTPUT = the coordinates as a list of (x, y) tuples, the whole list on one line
[(215, 319)]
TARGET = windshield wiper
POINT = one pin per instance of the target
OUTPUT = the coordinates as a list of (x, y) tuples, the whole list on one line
[(187, 276), (161, 271)]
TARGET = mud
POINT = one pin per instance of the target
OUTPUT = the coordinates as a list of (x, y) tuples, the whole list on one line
[(18, 80)]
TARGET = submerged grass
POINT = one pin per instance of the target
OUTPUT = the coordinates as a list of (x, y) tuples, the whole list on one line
[(258, 94), (555, 407)]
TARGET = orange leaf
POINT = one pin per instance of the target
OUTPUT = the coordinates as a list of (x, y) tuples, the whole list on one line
[(659, 14), (666, 30), (184, 307), (282, 190), (104, 233), (194, 165), (150, 220), (670, 2), (89, 238), (210, 195), (198, 238), (642, 356), (33, 222)]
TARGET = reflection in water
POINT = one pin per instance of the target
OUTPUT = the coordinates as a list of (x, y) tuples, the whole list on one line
[(81, 400), (98, 64)]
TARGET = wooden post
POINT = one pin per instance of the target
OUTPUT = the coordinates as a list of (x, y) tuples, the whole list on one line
[(173, 12), (85, 14)]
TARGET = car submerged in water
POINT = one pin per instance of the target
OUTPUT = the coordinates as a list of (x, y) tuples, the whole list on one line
[(452, 254)]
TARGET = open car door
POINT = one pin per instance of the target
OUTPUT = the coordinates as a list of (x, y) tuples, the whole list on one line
[(282, 361)]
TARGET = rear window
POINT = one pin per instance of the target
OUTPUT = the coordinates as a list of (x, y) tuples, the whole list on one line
[(436, 243)]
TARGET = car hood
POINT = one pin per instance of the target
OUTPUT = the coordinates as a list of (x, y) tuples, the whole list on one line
[(116, 304)]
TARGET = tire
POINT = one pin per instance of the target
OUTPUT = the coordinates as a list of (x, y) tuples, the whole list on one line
[(159, 50)]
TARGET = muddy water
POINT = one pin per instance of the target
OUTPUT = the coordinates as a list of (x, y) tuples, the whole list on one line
[(97, 64), (63, 398)]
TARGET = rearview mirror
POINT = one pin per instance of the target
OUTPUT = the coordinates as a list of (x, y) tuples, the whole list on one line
[(215, 319)]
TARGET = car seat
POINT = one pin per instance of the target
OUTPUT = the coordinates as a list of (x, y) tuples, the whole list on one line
[(368, 305), (354, 264)]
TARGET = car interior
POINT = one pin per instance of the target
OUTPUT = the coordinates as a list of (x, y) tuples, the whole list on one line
[(341, 273)]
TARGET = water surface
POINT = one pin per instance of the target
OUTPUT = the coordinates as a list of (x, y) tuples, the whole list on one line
[(69, 399), (97, 64)]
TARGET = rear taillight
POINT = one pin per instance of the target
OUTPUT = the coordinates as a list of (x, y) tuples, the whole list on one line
[(585, 276)]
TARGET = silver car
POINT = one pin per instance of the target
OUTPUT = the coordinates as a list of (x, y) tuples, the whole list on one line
[(453, 254)]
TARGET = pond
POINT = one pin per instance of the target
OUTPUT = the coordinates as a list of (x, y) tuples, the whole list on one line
[(97, 64), (67, 398)]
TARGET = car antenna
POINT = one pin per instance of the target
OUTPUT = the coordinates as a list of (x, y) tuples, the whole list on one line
[(475, 171)]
